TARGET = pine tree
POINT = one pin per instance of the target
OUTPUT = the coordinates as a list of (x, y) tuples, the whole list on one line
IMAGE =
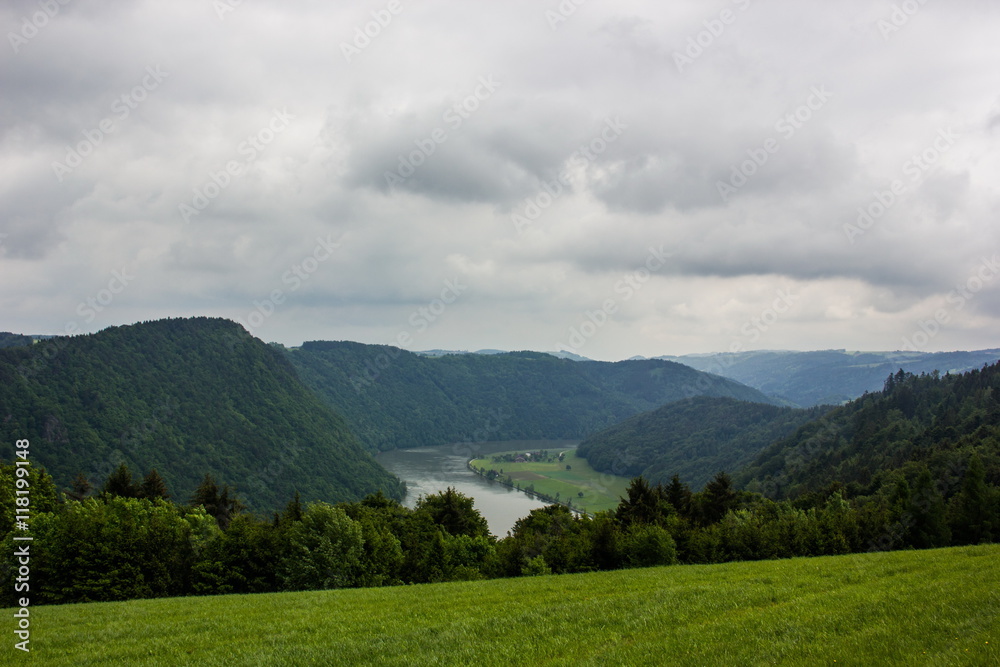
[(120, 483), (972, 520), (154, 486), (80, 487), (928, 525)]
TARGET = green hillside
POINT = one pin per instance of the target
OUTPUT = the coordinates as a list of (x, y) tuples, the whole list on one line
[(187, 397), (392, 398), (915, 422), (694, 439), (939, 607)]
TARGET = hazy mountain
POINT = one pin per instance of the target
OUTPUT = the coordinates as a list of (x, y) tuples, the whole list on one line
[(828, 376)]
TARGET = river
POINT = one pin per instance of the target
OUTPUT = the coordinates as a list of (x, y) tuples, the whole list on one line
[(428, 470)]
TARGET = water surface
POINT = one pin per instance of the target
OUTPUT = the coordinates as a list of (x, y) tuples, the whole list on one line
[(428, 470)]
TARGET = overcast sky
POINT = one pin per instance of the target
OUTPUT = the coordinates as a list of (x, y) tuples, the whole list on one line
[(615, 178)]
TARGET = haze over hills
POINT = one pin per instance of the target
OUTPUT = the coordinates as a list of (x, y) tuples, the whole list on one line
[(822, 377), (393, 398), (187, 397)]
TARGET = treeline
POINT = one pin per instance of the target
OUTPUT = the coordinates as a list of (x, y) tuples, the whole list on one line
[(132, 541), (184, 396), (393, 398)]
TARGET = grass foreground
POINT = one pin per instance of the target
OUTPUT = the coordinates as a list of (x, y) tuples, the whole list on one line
[(939, 607), (600, 491)]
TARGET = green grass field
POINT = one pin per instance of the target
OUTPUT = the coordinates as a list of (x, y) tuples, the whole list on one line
[(938, 607), (601, 491)]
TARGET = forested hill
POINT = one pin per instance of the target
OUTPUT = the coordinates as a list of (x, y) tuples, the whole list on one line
[(694, 439), (392, 398), (872, 443), (188, 397), (13, 340), (829, 377)]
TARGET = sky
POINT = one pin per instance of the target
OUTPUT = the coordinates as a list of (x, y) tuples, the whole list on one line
[(606, 178)]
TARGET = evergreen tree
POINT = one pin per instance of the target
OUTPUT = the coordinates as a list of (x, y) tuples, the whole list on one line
[(972, 518), (80, 487), (678, 494), (120, 483), (926, 510), (718, 498), (153, 486)]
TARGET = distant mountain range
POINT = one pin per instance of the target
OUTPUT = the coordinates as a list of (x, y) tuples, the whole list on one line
[(392, 398), (805, 379)]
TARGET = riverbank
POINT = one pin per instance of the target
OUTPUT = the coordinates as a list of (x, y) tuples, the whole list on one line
[(553, 476)]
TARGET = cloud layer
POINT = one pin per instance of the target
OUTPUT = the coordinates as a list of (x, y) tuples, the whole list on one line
[(322, 172)]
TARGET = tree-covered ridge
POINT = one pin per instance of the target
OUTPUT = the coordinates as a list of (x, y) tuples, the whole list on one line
[(186, 397), (693, 438), (874, 442), (829, 376), (392, 398), (13, 340)]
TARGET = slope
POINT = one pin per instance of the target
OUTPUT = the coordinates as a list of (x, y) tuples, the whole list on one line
[(392, 398), (188, 397), (694, 439), (875, 440), (829, 376)]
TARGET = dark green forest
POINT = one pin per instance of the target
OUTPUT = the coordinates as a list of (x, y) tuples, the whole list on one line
[(392, 398), (694, 438), (187, 397)]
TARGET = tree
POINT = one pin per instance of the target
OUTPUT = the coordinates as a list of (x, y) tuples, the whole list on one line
[(219, 503), (678, 494), (648, 545), (120, 483), (718, 498), (972, 518), (928, 525), (324, 550), (454, 512), (153, 486), (80, 487), (642, 506)]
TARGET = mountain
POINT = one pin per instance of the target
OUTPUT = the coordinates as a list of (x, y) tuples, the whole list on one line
[(187, 397), (831, 377), (916, 420), (392, 398), (13, 340), (694, 438)]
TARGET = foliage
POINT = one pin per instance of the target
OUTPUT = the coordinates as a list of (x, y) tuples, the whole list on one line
[(392, 398), (186, 397), (693, 438)]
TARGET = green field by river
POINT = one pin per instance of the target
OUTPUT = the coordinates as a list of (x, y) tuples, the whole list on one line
[(571, 479)]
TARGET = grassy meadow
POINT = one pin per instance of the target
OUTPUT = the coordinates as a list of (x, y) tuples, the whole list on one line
[(601, 491), (939, 607)]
